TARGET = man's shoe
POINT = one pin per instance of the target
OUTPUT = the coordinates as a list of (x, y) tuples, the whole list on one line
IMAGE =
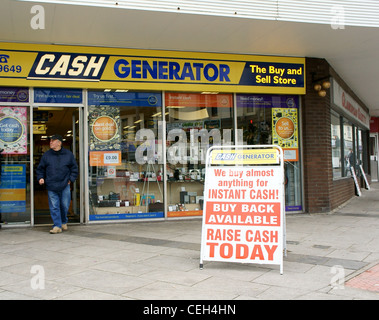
[(55, 230), (64, 227)]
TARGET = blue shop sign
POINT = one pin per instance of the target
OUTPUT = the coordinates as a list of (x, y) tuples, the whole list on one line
[(128, 216), (74, 96), (124, 99), (14, 94), (267, 101)]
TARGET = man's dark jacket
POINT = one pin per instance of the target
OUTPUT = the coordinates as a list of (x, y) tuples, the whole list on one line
[(57, 167)]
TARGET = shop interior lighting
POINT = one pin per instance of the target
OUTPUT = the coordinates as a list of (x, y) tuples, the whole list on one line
[(191, 115)]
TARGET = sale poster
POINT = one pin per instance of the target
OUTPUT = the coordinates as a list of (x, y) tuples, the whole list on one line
[(105, 128), (105, 158), (13, 130), (285, 132), (105, 136), (244, 214)]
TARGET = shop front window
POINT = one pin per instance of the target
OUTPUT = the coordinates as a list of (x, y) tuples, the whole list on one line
[(125, 174), (14, 157), (348, 147), (359, 149), (337, 159), (273, 119), (195, 122)]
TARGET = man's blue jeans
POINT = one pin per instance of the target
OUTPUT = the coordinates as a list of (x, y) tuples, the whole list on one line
[(59, 202)]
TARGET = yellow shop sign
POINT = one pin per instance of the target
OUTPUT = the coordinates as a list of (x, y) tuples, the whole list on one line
[(91, 67)]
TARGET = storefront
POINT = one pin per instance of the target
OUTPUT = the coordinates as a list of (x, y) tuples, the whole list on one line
[(349, 128), (139, 123), (335, 136)]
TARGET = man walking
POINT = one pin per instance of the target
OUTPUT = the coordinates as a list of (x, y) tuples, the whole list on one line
[(57, 170)]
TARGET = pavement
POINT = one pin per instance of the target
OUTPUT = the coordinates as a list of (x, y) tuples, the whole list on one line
[(332, 256)]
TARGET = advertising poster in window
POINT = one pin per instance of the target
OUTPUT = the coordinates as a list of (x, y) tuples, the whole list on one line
[(285, 132), (105, 137), (13, 188), (13, 130)]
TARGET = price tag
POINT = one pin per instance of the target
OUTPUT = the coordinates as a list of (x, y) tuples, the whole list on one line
[(111, 158)]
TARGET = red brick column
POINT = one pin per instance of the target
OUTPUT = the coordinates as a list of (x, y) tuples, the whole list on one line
[(321, 192)]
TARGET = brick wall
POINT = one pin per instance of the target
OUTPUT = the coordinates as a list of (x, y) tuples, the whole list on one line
[(342, 190)]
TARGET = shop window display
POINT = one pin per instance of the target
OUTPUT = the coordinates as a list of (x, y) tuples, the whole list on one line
[(125, 176), (14, 157), (347, 147), (273, 119), (195, 122), (126, 163)]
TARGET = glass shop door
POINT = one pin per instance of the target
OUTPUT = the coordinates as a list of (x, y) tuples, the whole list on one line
[(48, 121)]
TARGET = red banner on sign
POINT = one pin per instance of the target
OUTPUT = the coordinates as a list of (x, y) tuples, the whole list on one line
[(199, 100), (239, 213)]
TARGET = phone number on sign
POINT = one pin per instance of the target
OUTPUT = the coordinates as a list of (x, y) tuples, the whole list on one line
[(7, 68)]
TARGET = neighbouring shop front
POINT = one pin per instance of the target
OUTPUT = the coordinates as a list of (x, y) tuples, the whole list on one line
[(335, 136), (139, 123), (350, 124)]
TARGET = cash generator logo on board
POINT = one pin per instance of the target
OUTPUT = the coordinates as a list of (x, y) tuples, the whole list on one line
[(163, 69), (68, 66)]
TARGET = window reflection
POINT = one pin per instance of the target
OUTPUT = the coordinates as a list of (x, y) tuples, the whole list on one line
[(194, 123)]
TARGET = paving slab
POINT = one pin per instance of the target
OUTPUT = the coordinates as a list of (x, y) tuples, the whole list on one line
[(329, 257)]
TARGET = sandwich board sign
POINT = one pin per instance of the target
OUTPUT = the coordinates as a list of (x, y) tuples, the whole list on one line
[(243, 218)]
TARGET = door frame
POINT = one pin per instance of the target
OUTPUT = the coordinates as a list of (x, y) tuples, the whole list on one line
[(376, 137), (80, 161)]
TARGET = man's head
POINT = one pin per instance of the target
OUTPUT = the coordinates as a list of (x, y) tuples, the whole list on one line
[(56, 142)]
